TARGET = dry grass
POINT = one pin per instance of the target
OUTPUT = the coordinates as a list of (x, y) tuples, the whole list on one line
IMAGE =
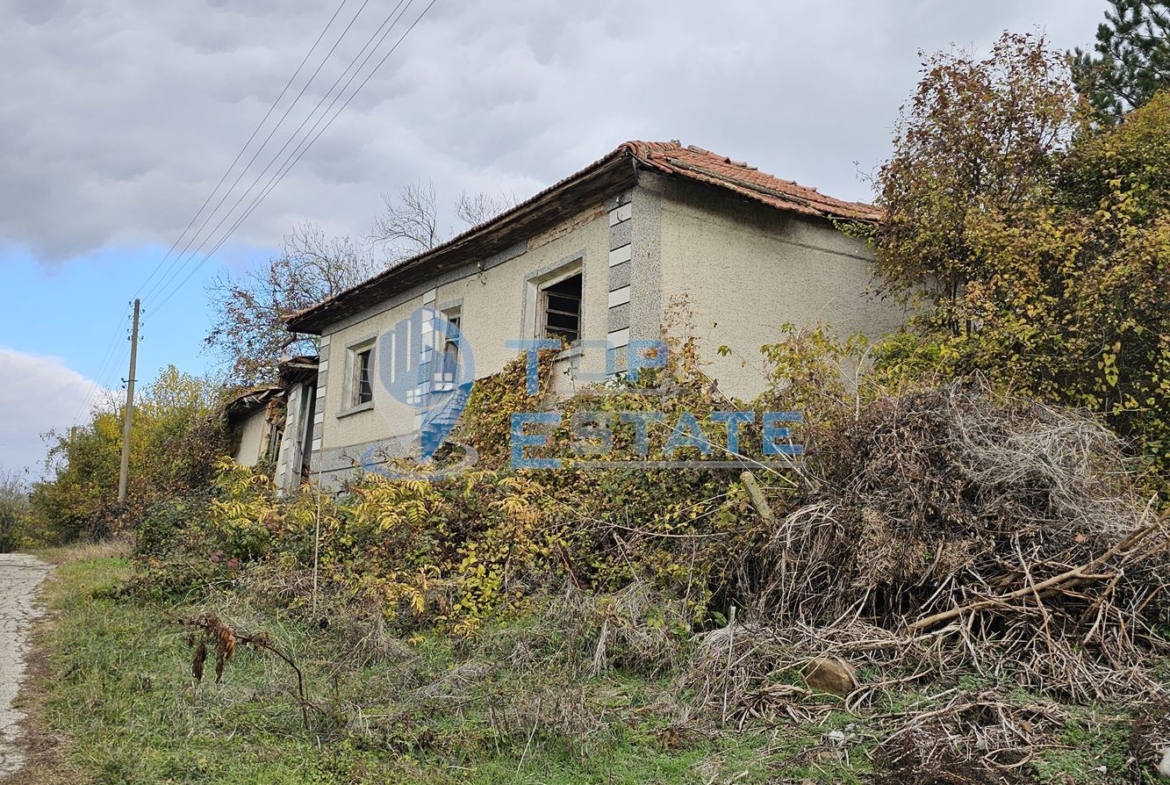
[(950, 536), (977, 533), (111, 548)]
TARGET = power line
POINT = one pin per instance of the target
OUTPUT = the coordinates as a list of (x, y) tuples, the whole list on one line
[(103, 367), (303, 148), (255, 132), (295, 133)]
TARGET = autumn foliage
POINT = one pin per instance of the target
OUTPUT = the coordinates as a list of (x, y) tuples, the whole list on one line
[(1036, 244), (175, 444)]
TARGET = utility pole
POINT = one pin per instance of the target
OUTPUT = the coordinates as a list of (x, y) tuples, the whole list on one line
[(124, 475)]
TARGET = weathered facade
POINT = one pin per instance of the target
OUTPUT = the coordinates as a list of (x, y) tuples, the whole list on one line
[(255, 436), (602, 258), (274, 425)]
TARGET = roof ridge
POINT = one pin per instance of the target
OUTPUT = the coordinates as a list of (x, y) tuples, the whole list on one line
[(697, 162), (670, 158)]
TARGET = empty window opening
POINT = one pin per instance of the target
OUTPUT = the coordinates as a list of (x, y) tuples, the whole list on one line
[(363, 385), (561, 307)]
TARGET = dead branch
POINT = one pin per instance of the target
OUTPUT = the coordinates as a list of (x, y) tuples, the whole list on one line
[(757, 496), (226, 640), (1075, 575)]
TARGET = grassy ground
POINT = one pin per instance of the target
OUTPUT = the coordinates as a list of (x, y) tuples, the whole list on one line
[(113, 701), (117, 681)]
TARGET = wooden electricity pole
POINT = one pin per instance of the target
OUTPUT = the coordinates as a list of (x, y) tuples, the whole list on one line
[(128, 416)]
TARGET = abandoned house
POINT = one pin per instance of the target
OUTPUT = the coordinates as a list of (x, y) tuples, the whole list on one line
[(260, 419), (605, 256)]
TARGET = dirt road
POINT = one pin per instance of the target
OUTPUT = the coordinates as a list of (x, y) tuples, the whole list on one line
[(20, 576)]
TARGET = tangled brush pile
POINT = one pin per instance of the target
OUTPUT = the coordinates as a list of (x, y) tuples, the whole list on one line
[(991, 532)]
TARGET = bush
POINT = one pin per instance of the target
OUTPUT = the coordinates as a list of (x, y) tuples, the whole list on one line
[(13, 512), (169, 523)]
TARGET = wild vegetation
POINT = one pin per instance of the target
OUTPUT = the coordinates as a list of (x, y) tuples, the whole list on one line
[(1037, 243), (13, 510), (954, 584), (964, 581), (175, 444)]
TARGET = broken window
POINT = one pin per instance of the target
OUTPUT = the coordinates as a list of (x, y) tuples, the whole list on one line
[(363, 385), (561, 309), (449, 368)]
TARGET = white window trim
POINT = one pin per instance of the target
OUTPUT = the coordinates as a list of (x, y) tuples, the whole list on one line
[(536, 286), (349, 383)]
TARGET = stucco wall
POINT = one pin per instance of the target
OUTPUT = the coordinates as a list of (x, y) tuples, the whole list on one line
[(497, 305), (745, 270), (253, 434)]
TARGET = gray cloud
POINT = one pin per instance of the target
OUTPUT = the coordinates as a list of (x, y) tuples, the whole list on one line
[(36, 394), (118, 116)]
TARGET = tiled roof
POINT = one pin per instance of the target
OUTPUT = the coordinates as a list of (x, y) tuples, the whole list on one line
[(695, 163), (576, 192)]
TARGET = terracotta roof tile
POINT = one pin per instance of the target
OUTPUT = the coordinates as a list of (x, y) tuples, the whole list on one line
[(699, 164), (553, 203)]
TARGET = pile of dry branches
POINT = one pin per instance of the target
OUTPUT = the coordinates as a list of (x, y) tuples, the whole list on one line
[(964, 530)]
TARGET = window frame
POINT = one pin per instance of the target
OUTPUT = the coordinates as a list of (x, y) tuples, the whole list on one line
[(363, 386), (548, 330), (539, 283), (352, 393), (454, 314)]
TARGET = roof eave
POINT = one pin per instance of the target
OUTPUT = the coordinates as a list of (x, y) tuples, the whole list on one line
[(544, 210)]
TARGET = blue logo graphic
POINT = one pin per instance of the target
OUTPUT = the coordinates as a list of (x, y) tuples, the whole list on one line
[(426, 365), (425, 362)]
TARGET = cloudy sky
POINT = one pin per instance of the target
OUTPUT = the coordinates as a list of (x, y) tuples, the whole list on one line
[(119, 117)]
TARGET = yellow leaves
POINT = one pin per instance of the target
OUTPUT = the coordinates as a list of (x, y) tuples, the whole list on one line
[(418, 602)]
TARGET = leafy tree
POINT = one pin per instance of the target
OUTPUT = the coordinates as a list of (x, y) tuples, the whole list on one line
[(978, 137), (175, 443), (181, 439), (1039, 244), (1130, 61), (249, 310), (83, 479)]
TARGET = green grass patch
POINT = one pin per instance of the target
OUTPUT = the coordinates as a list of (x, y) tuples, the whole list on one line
[(119, 686)]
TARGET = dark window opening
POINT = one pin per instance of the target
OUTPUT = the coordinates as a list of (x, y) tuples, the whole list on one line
[(450, 364), (562, 309), (308, 414), (363, 388)]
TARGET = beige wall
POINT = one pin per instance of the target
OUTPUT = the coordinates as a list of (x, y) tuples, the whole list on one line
[(498, 305), (253, 432), (746, 270)]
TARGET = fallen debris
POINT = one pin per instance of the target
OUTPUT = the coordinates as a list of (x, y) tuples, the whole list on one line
[(1003, 531)]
